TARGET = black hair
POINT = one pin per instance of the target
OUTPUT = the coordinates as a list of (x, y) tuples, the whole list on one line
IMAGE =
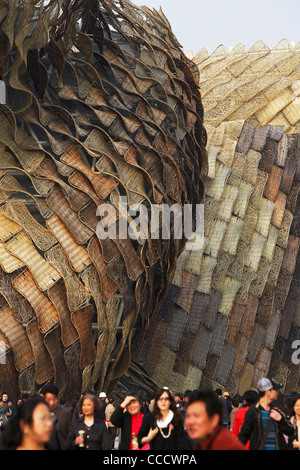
[(137, 395), (173, 407), (49, 388), (235, 402), (250, 397), (212, 403), (294, 399), (12, 433)]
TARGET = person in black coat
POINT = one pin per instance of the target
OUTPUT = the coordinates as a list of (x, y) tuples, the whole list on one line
[(128, 416), (89, 432), (163, 429), (61, 417)]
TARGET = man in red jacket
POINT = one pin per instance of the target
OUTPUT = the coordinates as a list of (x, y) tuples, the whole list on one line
[(203, 422)]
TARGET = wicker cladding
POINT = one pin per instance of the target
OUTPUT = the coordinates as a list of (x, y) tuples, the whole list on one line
[(259, 84), (99, 108), (232, 312)]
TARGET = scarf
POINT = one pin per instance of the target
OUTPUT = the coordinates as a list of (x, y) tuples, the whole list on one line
[(165, 423)]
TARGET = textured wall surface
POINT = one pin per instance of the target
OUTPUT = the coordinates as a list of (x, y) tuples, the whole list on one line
[(231, 315), (101, 102)]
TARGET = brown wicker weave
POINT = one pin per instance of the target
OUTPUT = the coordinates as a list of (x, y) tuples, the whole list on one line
[(101, 103)]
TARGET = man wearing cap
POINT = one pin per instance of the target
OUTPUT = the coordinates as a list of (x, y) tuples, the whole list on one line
[(228, 409), (265, 425), (102, 397)]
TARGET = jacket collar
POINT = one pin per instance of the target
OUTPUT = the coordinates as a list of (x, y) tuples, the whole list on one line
[(206, 445)]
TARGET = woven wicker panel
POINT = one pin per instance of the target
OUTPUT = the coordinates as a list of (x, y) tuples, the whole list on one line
[(27, 380), (281, 375), (290, 255), (277, 354), (71, 357), (164, 312), (82, 320), (219, 333), (81, 182), (43, 364), (266, 306), (273, 329), (58, 296), (246, 380), (8, 227), (234, 324), (77, 254), (201, 348), (47, 315), (77, 295), (282, 288), (263, 361), (249, 280), (41, 237), (48, 170), (91, 281), (55, 349), (123, 356), (103, 186), (118, 273), (20, 307), (185, 298), (225, 364), (9, 375), (198, 310), (60, 205), (292, 378), (241, 73), (134, 126), (256, 342), (174, 331), (164, 367), (289, 310), (242, 348), (9, 263), (22, 248), (212, 309), (184, 352), (106, 341), (14, 332)]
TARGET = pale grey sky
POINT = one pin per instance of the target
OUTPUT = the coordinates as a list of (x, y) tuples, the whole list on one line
[(209, 23)]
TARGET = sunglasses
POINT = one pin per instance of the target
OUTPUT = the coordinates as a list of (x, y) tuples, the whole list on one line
[(163, 399)]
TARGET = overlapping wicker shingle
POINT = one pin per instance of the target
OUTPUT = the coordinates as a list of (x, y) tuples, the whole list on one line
[(97, 109)]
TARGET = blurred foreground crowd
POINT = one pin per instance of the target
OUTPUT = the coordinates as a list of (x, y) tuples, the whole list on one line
[(203, 419)]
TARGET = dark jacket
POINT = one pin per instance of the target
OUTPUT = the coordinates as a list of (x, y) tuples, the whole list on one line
[(122, 419), (294, 435), (252, 429), (95, 438), (61, 425), (176, 441)]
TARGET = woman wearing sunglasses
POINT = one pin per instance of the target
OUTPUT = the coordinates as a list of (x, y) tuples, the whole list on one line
[(163, 428)]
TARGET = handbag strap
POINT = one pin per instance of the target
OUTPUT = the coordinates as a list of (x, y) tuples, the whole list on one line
[(262, 443)]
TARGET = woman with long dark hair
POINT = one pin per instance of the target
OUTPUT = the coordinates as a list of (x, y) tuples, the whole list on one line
[(30, 428), (89, 432), (294, 440), (163, 429)]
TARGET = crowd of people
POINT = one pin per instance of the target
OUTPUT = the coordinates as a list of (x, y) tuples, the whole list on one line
[(203, 419)]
